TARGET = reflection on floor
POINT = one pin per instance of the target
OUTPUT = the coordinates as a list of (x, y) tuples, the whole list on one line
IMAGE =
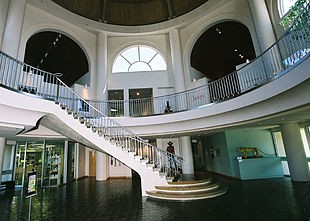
[(119, 199)]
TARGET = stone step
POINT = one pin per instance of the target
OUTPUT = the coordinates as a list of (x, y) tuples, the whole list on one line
[(187, 196), (188, 190), (190, 183), (176, 189)]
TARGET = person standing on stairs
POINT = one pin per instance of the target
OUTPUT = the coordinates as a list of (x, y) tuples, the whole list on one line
[(173, 165)]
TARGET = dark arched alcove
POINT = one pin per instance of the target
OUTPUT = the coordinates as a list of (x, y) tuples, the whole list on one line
[(221, 48), (56, 53)]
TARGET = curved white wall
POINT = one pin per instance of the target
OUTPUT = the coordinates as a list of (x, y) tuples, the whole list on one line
[(46, 15), (277, 98)]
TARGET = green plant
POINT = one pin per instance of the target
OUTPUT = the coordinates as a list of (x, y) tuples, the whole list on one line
[(297, 9)]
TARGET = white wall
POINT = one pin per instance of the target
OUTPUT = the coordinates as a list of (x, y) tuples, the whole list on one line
[(9, 154), (37, 20), (117, 169), (82, 90), (155, 80), (81, 161), (42, 16)]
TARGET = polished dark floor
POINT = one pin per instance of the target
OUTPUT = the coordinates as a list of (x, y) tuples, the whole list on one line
[(119, 199)]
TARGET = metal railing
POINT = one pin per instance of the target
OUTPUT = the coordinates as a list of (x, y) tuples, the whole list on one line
[(22, 77), (289, 50)]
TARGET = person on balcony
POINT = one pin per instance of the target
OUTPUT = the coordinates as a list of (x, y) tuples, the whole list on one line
[(168, 109)]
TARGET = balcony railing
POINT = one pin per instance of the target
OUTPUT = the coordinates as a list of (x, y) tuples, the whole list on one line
[(289, 50), (21, 77), (284, 54)]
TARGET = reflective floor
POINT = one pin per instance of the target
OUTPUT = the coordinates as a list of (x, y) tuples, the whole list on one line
[(119, 199)]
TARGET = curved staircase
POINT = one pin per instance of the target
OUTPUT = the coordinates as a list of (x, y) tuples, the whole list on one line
[(188, 190)]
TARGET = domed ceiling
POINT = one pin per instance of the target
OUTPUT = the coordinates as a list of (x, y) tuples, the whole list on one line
[(130, 12)]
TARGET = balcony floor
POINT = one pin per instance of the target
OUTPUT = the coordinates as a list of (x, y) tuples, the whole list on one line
[(119, 199)]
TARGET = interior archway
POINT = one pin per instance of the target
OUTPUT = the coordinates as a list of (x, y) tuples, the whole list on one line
[(56, 53), (221, 48)]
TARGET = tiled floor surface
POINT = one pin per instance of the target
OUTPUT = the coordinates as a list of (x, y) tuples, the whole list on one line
[(119, 199)]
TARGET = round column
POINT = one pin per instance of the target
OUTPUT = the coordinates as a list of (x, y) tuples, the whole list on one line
[(101, 166), (13, 27), (102, 72), (2, 146), (262, 24), (4, 5), (295, 152), (187, 154), (177, 64)]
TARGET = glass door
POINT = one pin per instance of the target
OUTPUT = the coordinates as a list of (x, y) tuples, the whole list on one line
[(28, 158), (53, 163)]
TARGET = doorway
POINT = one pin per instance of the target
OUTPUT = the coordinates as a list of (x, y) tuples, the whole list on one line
[(29, 157), (141, 102)]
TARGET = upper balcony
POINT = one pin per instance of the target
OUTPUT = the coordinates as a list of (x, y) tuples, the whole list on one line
[(258, 85)]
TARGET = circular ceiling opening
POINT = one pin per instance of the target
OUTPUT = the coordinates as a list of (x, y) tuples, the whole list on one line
[(130, 12)]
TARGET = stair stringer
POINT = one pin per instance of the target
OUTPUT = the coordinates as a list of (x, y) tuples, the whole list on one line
[(63, 123)]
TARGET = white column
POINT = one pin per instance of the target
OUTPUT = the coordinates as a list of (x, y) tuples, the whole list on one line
[(101, 166), (4, 5), (262, 24), (65, 173), (126, 104), (13, 27), (2, 146), (102, 71), (295, 152), (177, 63), (187, 154), (87, 150)]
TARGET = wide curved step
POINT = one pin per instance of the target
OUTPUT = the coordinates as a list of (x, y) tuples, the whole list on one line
[(188, 190)]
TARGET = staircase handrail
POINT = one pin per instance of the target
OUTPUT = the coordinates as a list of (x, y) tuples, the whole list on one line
[(18, 76)]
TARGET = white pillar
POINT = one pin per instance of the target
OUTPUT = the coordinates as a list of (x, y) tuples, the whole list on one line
[(65, 173), (2, 146), (126, 104), (177, 64), (295, 152), (13, 27), (101, 166), (187, 155), (262, 24), (102, 71), (4, 5)]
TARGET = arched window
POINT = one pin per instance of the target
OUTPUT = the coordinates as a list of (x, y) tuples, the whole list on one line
[(285, 5), (139, 58)]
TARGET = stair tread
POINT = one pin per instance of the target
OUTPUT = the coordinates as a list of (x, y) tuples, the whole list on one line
[(191, 196), (190, 182), (187, 188)]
